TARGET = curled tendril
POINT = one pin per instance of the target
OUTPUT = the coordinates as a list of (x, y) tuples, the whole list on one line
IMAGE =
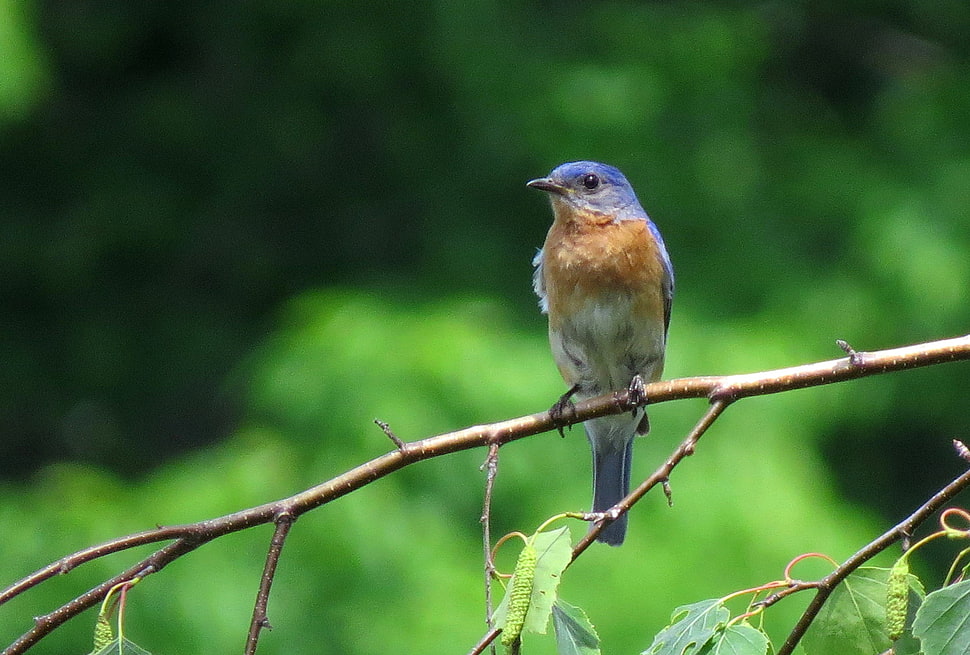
[(498, 544), (950, 530), (788, 576)]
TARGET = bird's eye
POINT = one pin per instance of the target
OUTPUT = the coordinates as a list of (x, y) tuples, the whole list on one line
[(591, 181)]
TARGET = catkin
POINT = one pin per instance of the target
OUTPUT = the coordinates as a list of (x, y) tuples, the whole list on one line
[(520, 594), (103, 635), (897, 598)]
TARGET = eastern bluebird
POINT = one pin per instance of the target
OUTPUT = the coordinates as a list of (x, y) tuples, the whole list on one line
[(604, 278)]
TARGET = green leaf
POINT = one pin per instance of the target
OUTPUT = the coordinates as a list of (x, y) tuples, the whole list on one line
[(739, 639), (555, 550), (943, 621), (501, 612), (691, 627), (122, 647), (575, 635), (907, 645), (853, 620)]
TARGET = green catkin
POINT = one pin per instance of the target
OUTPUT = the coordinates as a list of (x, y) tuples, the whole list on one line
[(520, 594), (103, 635), (897, 598)]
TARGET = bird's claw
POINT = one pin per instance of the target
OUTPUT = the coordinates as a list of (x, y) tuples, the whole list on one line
[(558, 411), (636, 392), (636, 397)]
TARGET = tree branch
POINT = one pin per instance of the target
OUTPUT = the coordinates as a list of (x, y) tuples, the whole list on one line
[(721, 390), (260, 620)]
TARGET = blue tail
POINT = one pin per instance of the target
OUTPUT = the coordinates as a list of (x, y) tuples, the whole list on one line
[(611, 479)]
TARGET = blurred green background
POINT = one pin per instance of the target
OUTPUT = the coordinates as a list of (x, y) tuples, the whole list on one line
[(232, 234)]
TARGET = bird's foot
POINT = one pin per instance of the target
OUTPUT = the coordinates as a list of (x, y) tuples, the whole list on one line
[(636, 397), (564, 410), (636, 392)]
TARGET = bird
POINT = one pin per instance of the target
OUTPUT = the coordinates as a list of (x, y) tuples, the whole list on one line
[(605, 281)]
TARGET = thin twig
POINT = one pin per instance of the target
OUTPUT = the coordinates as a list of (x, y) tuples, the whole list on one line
[(489, 637), (66, 564), (854, 358), (491, 471), (389, 433), (260, 619)]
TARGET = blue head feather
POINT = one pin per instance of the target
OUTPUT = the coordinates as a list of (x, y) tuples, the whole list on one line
[(592, 186)]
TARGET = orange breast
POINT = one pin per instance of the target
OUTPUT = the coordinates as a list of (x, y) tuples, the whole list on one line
[(588, 258)]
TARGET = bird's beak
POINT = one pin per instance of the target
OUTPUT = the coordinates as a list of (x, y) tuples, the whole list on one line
[(547, 184)]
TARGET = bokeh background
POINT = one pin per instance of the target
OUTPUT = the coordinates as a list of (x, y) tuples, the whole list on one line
[(232, 234)]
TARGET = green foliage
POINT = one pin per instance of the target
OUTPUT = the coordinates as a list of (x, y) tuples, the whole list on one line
[(691, 628), (121, 647), (575, 635), (737, 639), (533, 591), (853, 621), (23, 73), (941, 622), (869, 609), (554, 548), (872, 610), (703, 628)]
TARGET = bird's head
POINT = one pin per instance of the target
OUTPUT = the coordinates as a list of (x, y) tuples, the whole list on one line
[(591, 186)]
